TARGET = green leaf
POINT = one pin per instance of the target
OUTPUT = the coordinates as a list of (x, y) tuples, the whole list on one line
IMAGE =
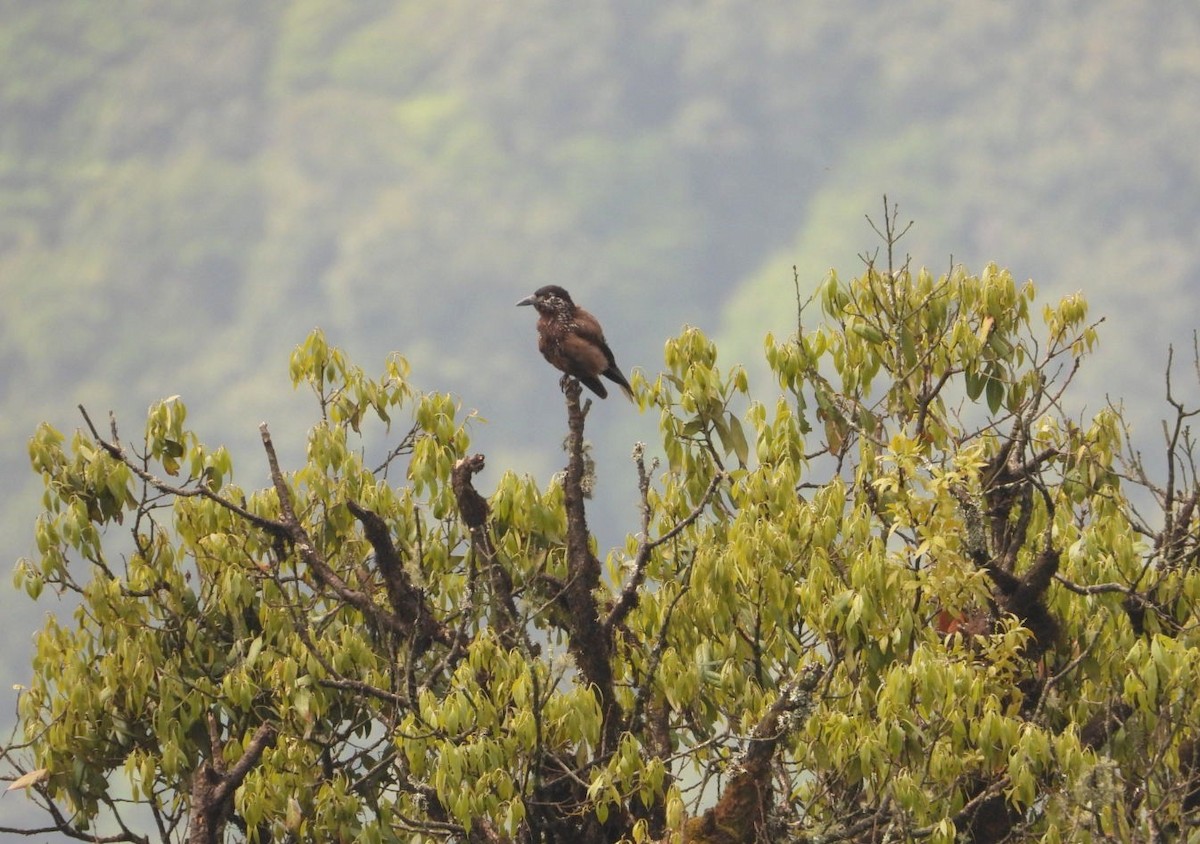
[(868, 332), (737, 436), (974, 383), (995, 394), (723, 434)]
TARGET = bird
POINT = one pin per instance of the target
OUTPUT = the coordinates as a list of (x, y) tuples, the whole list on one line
[(571, 339)]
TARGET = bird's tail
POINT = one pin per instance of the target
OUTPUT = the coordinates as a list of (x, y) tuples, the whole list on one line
[(617, 377)]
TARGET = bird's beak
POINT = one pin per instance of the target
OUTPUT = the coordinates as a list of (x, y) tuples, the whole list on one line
[(528, 300)]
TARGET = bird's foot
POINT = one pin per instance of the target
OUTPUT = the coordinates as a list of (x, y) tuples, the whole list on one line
[(572, 388)]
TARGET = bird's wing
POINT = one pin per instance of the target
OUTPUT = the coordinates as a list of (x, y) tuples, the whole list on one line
[(587, 328), (584, 353)]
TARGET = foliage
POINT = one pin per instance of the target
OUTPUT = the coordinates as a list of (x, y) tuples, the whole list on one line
[(185, 188), (905, 599)]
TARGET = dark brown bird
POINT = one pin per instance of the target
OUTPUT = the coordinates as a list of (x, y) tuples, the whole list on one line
[(572, 340)]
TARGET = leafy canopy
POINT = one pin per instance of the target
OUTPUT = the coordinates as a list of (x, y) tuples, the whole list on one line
[(895, 592)]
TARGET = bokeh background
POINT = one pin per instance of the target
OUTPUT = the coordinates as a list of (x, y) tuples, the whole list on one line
[(187, 189)]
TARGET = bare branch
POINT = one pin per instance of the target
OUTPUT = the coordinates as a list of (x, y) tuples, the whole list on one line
[(409, 605), (295, 532)]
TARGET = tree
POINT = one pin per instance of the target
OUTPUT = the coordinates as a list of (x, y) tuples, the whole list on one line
[(904, 598)]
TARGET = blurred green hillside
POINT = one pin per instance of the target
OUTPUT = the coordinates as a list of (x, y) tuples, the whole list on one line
[(186, 189)]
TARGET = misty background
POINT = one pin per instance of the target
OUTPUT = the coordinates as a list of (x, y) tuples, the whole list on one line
[(187, 189)]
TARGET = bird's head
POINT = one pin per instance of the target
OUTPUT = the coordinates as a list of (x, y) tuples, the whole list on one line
[(550, 299)]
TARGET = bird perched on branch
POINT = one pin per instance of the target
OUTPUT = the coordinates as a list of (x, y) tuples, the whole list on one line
[(571, 339)]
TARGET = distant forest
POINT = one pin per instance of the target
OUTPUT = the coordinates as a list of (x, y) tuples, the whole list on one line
[(186, 189)]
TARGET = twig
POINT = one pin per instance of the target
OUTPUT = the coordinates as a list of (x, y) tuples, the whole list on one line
[(629, 593), (117, 451)]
